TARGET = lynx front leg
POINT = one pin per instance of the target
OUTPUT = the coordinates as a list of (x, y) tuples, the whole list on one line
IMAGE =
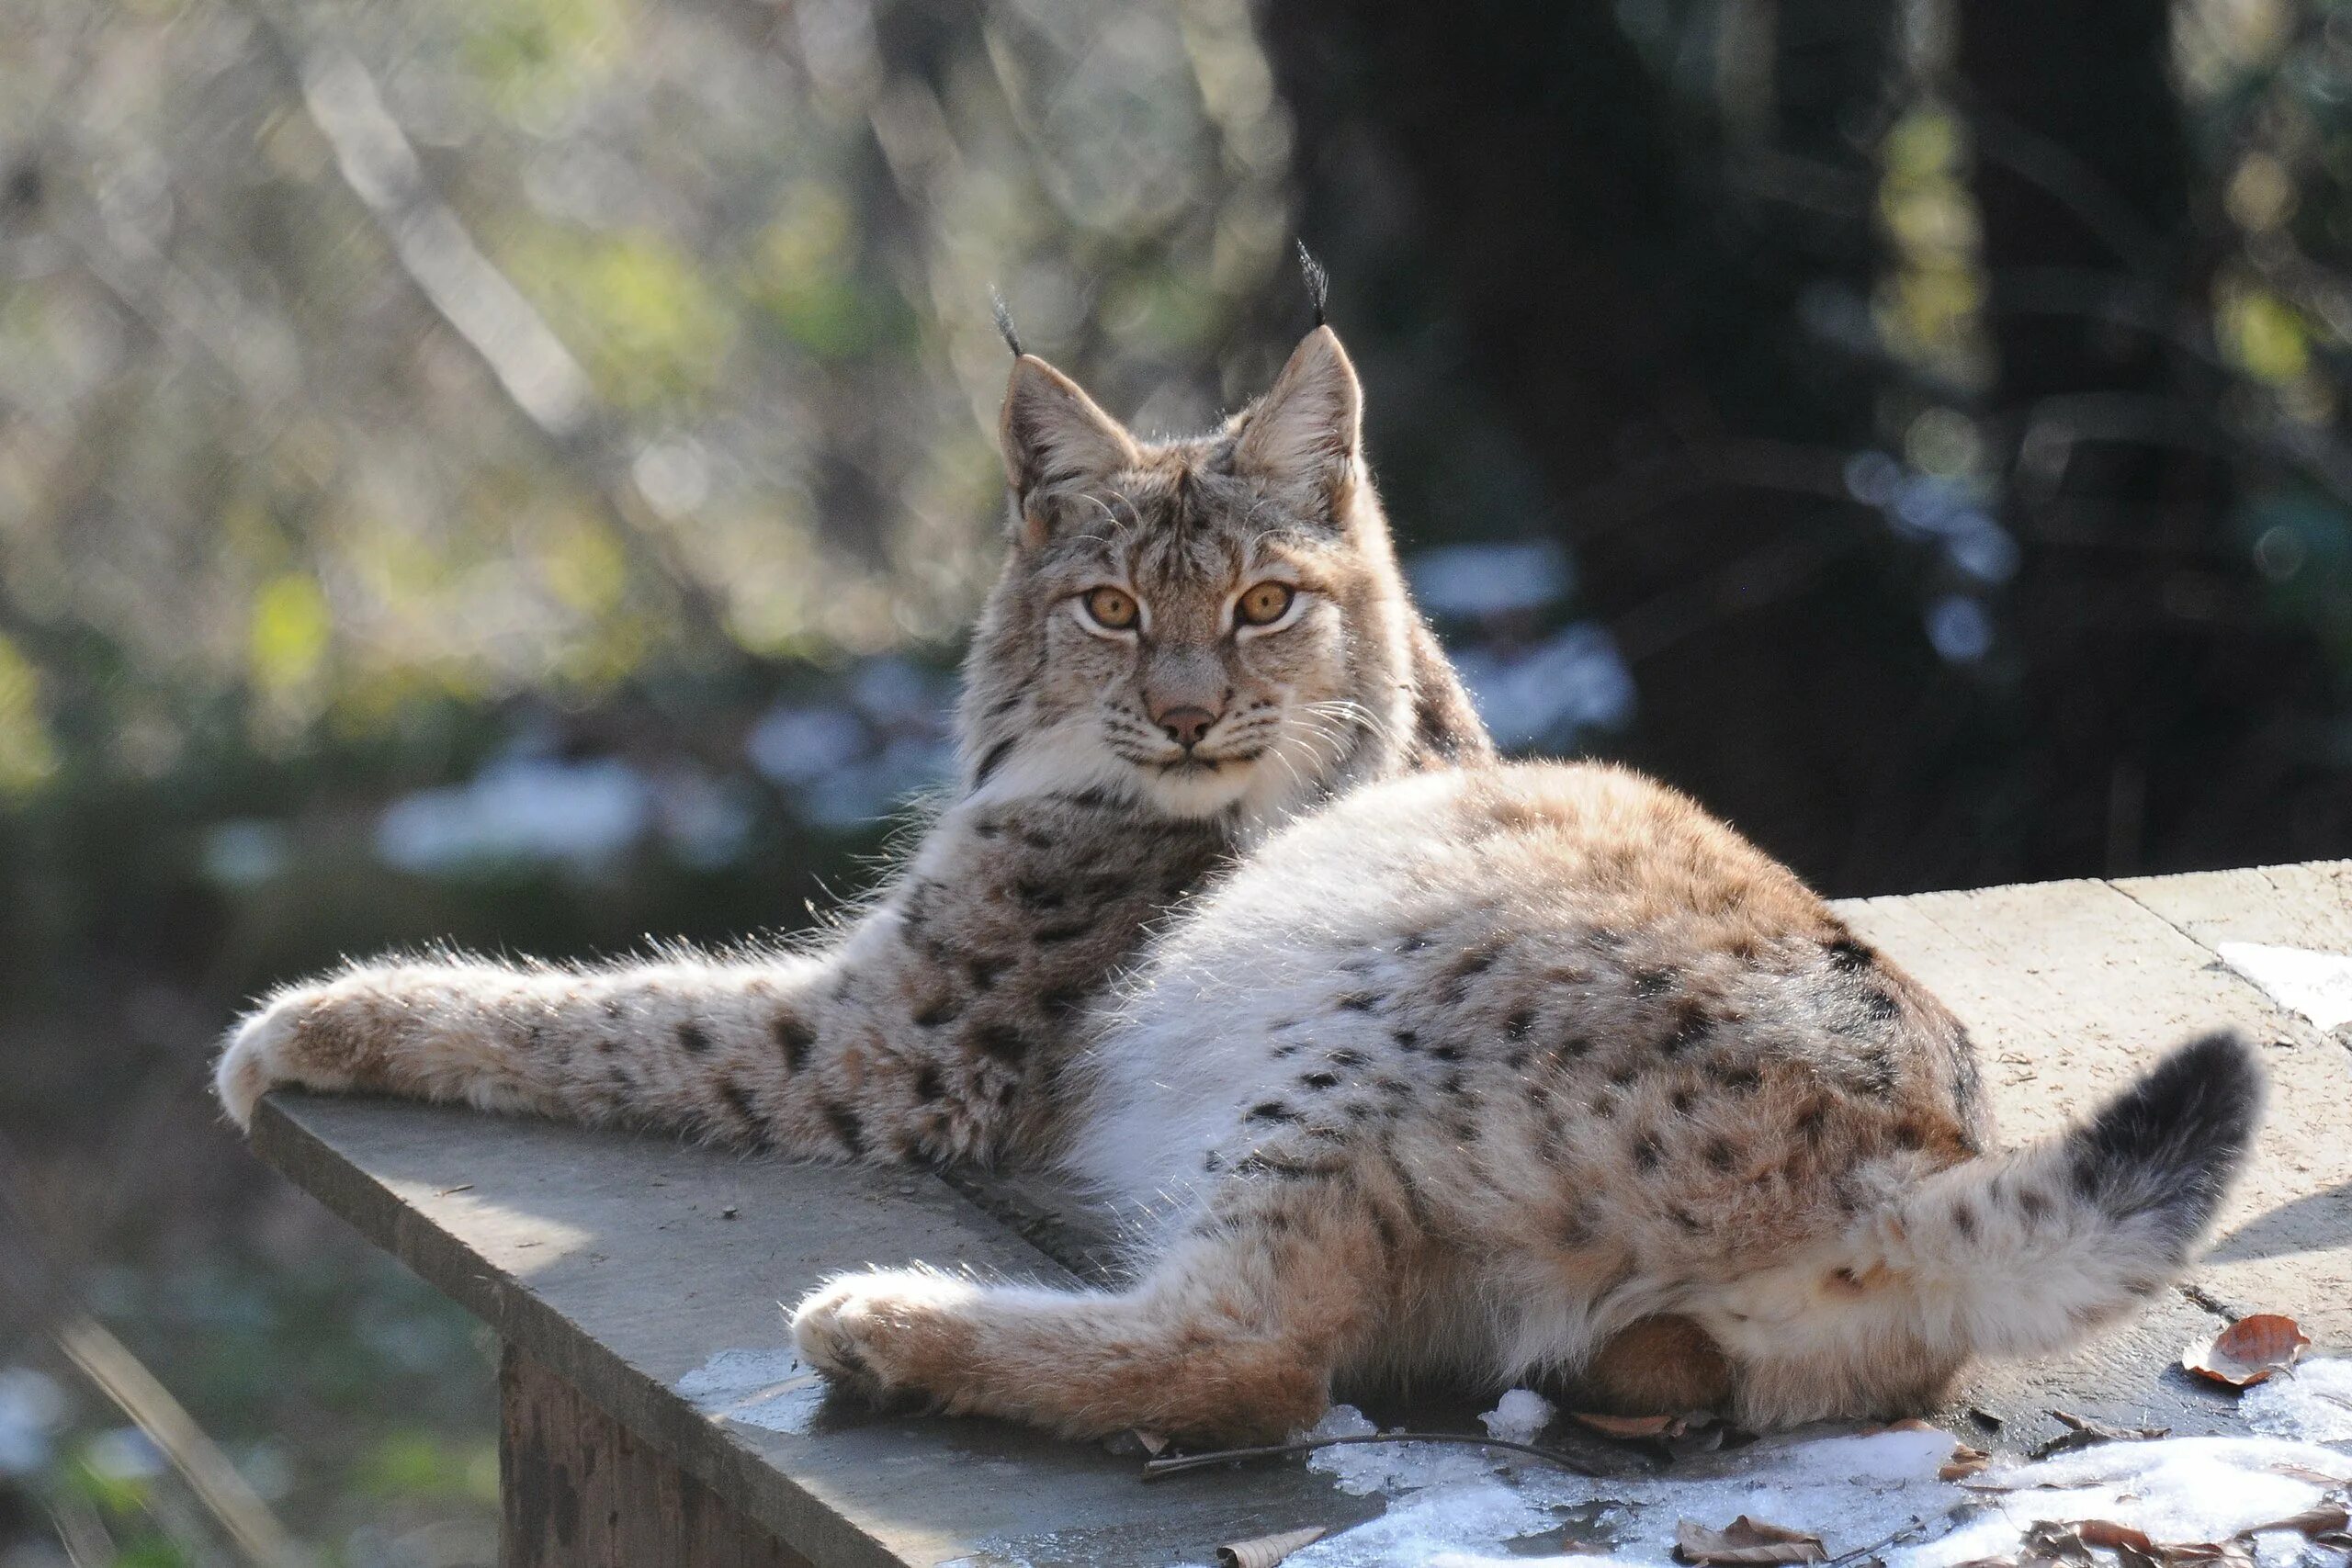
[(1232, 1338)]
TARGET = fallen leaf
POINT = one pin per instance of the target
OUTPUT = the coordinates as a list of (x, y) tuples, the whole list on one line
[(1630, 1426), (2321, 1518), (1964, 1460), (2248, 1351), (1745, 1541), (2085, 1431), (2108, 1533), (1135, 1441), (1265, 1551)]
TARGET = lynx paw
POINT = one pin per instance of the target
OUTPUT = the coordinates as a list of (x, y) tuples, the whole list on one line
[(260, 1056), (888, 1330)]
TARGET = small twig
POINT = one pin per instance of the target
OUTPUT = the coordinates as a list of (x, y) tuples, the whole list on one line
[(1918, 1522), (122, 1378), (1158, 1468)]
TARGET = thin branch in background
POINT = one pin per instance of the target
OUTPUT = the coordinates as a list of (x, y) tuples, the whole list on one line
[(481, 305), (121, 1377)]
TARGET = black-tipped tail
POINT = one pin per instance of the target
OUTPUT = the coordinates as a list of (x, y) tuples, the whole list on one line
[(2166, 1148)]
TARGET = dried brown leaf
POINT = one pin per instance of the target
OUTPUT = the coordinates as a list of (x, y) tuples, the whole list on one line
[(2321, 1518), (1964, 1461), (1745, 1541), (2248, 1351), (1630, 1425), (1265, 1551), (2082, 1432)]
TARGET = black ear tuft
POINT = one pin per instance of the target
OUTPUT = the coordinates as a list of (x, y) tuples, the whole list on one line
[(1004, 321), (1318, 282)]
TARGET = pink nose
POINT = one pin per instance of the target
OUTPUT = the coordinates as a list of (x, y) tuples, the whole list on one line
[(1186, 726)]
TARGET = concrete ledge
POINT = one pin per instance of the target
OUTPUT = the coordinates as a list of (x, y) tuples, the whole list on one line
[(624, 1265)]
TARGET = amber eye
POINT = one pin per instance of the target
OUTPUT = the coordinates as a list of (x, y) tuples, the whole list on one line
[(1113, 609), (1265, 603)]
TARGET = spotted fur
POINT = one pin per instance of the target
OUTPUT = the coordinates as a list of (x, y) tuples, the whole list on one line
[(1479, 1074), (935, 1025)]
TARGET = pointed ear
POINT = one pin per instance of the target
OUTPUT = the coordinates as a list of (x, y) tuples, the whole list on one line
[(1051, 431), (1309, 423)]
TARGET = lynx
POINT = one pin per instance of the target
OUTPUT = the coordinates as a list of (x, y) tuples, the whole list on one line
[(1400, 1061)]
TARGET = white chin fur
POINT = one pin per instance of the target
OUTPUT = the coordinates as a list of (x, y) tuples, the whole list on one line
[(1198, 792)]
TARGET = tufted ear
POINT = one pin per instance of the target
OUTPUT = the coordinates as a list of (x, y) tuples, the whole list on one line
[(1052, 433), (1307, 426)]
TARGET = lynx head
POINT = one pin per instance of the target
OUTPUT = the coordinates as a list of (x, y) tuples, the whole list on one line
[(1203, 625)]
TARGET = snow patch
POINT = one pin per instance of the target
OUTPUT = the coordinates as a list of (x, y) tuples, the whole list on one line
[(1462, 1507), (2314, 1403), (769, 1388), (2317, 985), (1519, 1416)]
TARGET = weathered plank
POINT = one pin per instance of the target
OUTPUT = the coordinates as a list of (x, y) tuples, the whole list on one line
[(623, 1264), (2069, 989), (577, 1489), (2289, 1235)]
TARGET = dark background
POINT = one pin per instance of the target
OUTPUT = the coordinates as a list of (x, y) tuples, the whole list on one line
[(517, 470)]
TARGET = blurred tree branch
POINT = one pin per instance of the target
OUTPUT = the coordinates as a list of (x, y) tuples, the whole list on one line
[(539, 376)]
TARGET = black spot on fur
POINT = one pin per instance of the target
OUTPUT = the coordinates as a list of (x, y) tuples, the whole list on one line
[(1879, 1005), (1572, 1048), (927, 1085), (2034, 1204), (1411, 941), (1064, 1001), (1518, 1025), (1000, 1041), (1850, 956), (1361, 1001), (1346, 1058), (1068, 930), (1740, 1077), (1686, 1219), (692, 1039), (1690, 1025), (1964, 1220), (739, 1100), (1406, 1039), (1455, 1083), (1447, 1053), (1718, 1154), (845, 1126), (1876, 1074), (992, 759), (940, 1010), (1647, 1152), (1653, 982), (793, 1038), (983, 972), (1272, 1111), (1683, 1100), (1320, 1080), (1605, 1106), (1033, 894)]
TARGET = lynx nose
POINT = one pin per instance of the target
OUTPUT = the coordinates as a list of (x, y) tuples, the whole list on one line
[(1187, 725)]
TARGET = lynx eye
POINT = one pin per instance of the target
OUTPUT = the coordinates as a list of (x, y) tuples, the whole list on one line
[(1113, 609), (1265, 603)]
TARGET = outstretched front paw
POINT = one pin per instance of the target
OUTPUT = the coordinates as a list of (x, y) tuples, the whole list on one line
[(889, 1330), (260, 1054)]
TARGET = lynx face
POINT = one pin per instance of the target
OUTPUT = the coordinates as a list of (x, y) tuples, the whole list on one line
[(1207, 624)]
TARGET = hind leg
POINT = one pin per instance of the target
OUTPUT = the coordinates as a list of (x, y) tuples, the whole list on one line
[(1230, 1337)]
